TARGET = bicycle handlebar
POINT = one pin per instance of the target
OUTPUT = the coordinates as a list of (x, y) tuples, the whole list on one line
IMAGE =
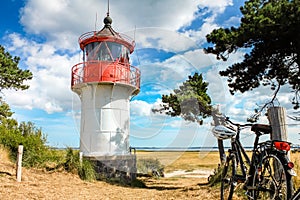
[(237, 124), (226, 119)]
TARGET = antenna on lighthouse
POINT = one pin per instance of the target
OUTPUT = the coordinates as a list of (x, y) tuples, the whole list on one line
[(96, 21), (107, 8)]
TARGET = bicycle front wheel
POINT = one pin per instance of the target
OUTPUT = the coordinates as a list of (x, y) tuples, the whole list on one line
[(271, 180), (227, 178)]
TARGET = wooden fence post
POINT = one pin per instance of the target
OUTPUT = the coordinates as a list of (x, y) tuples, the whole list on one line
[(277, 119), (19, 163)]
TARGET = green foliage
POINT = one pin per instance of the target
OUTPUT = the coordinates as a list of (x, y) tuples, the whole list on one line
[(85, 170), (36, 153), (11, 76), (150, 167), (270, 32), (5, 111), (13, 134), (190, 101), (216, 177), (71, 163)]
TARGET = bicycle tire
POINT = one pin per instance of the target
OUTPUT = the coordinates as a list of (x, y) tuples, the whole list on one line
[(296, 195), (227, 178), (272, 180)]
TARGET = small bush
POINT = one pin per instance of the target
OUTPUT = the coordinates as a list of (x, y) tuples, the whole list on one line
[(36, 153), (215, 178), (72, 163), (87, 171), (150, 167)]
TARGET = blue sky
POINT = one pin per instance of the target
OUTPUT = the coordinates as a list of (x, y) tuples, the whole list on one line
[(169, 41)]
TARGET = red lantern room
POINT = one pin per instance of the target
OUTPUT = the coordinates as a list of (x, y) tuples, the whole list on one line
[(105, 59)]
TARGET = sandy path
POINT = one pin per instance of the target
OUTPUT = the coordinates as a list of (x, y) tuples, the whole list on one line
[(201, 173), (37, 184)]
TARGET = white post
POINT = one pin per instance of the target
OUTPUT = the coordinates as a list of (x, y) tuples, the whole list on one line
[(80, 157), (19, 163)]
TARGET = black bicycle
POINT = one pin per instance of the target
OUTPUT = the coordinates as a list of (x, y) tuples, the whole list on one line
[(267, 175)]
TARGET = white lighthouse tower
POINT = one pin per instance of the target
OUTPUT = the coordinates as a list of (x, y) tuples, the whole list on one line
[(105, 82)]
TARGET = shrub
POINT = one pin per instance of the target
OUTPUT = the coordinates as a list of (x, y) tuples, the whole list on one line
[(36, 153), (215, 178), (84, 169), (150, 167), (87, 170), (72, 162)]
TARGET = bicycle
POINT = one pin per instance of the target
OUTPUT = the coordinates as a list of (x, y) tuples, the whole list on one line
[(267, 175)]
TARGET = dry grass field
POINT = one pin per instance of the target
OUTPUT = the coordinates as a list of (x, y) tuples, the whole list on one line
[(186, 178)]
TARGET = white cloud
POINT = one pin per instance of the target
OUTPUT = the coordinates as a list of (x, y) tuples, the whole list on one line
[(50, 87), (162, 38), (61, 22), (140, 108), (217, 6)]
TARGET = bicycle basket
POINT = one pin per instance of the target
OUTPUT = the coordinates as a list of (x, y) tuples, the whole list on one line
[(222, 132)]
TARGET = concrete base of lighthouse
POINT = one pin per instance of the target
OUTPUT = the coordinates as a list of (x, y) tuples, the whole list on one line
[(120, 168)]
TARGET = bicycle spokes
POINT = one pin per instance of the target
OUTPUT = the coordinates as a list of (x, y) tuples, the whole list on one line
[(272, 181)]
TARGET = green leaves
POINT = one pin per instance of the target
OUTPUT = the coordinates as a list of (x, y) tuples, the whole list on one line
[(10, 75), (270, 31), (190, 101), (5, 111)]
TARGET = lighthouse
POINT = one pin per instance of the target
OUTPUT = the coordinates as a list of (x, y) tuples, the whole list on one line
[(105, 82)]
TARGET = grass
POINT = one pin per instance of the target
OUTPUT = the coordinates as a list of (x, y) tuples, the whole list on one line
[(295, 158), (187, 161), (4, 154)]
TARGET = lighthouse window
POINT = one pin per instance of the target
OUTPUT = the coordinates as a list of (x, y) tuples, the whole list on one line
[(115, 49), (107, 51), (104, 52), (91, 50), (125, 54)]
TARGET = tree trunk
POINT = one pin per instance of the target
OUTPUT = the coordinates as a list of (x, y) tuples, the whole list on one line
[(220, 142), (221, 151)]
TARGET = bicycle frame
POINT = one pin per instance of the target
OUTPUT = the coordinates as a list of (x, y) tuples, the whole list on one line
[(241, 155)]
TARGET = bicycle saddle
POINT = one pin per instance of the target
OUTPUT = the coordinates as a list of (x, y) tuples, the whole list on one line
[(266, 129)]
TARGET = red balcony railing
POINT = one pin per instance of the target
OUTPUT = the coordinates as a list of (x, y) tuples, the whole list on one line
[(105, 71)]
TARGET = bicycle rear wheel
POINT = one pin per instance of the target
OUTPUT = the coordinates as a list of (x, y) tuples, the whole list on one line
[(271, 180), (227, 178)]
